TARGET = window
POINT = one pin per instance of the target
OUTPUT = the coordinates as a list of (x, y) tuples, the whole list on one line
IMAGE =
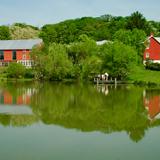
[(24, 56), (147, 55), (1, 55), (14, 56)]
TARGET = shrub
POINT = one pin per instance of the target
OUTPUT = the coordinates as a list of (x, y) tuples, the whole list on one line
[(153, 66), (29, 73), (15, 70)]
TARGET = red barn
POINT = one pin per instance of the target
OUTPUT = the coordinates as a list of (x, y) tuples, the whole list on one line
[(152, 52), (17, 51)]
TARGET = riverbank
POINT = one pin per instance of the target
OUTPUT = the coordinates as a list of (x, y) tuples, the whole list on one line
[(139, 75)]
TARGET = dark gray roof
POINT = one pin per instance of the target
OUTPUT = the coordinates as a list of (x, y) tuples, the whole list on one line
[(19, 44)]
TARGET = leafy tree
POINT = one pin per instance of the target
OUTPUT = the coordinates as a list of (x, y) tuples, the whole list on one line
[(118, 59), (22, 31), (81, 52), (39, 55), (51, 62), (90, 67), (137, 20), (134, 38), (4, 33), (48, 34), (58, 65), (15, 70)]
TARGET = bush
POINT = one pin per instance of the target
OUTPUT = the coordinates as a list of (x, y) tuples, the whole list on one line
[(15, 70), (153, 66), (29, 73)]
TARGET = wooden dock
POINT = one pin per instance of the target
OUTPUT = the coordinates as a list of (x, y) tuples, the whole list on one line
[(109, 82)]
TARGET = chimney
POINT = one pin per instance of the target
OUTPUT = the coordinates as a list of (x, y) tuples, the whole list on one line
[(152, 34)]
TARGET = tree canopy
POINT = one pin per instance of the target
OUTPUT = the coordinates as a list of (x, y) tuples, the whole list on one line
[(4, 33)]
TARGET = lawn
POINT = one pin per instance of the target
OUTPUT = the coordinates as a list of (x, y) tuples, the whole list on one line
[(140, 74)]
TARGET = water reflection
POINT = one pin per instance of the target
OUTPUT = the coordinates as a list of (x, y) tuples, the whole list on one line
[(83, 107), (152, 103), (14, 105)]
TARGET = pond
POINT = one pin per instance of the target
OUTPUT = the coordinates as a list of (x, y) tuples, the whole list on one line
[(74, 121)]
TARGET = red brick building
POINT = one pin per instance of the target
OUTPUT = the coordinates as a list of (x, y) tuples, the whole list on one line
[(17, 51), (152, 52)]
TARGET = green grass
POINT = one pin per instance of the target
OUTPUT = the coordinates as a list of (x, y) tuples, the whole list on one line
[(141, 75)]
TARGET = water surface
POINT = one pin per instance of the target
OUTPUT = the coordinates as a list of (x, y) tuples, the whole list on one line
[(58, 121)]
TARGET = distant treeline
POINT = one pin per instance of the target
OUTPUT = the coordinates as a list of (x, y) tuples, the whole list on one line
[(99, 28)]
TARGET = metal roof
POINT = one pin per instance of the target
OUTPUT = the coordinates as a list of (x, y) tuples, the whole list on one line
[(19, 44), (99, 43)]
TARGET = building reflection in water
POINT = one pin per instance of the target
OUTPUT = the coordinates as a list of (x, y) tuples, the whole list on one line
[(152, 103), (151, 99), (16, 103), (102, 89)]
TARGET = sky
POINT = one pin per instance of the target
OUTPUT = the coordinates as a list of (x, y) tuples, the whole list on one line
[(40, 12)]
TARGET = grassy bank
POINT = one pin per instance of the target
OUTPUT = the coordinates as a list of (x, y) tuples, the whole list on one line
[(141, 75), (138, 75)]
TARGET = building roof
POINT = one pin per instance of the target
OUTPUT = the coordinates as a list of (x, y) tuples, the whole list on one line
[(19, 44), (99, 43), (157, 39)]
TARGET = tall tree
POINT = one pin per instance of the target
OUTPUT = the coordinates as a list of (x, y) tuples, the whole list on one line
[(118, 59), (4, 33), (134, 38), (137, 20)]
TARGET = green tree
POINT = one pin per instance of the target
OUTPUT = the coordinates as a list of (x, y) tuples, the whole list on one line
[(51, 62), (15, 70), (91, 66), (137, 20), (23, 31), (134, 38), (58, 64), (4, 33), (40, 56), (80, 53), (48, 34), (118, 59)]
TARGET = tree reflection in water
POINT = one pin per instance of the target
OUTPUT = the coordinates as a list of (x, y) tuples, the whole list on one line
[(88, 108)]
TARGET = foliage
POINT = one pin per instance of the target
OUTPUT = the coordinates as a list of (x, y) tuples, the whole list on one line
[(70, 30), (51, 62), (134, 38), (29, 73), (39, 55), (153, 66), (22, 31), (99, 28), (137, 20), (118, 59), (15, 70), (58, 65), (4, 33), (91, 67), (84, 56)]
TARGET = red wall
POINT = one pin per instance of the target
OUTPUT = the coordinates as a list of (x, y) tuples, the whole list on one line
[(19, 53), (153, 105), (153, 50), (7, 55)]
